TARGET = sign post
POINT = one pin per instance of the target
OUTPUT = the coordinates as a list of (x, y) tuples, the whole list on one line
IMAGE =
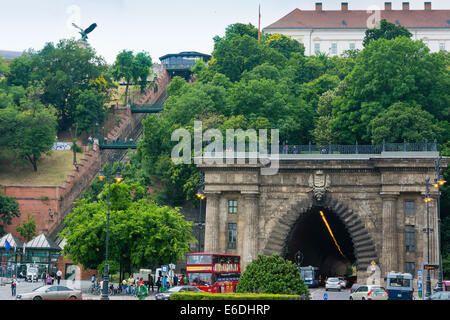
[(420, 283), (164, 277)]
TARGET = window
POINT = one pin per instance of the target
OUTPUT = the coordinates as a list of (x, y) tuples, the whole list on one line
[(334, 48), (410, 238), (409, 208), (363, 289), (232, 233), (199, 259), (352, 46), (410, 267), (232, 206), (316, 48), (442, 46)]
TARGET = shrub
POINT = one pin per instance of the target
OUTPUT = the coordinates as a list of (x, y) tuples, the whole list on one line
[(234, 296), (272, 275)]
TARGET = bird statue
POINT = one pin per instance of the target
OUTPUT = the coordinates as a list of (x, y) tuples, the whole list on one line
[(85, 32)]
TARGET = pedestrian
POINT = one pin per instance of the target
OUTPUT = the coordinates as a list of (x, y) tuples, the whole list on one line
[(13, 285), (186, 282), (151, 282), (181, 280), (53, 277), (175, 280), (141, 290), (44, 277), (58, 276), (49, 279), (124, 286), (158, 284), (130, 284)]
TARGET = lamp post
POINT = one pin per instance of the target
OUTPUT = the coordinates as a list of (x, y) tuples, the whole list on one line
[(427, 200), (118, 179), (439, 181), (201, 196)]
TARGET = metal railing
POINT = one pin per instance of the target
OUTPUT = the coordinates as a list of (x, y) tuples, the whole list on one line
[(117, 144), (358, 149), (343, 149)]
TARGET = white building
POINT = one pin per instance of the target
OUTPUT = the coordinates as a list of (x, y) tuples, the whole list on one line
[(335, 31)]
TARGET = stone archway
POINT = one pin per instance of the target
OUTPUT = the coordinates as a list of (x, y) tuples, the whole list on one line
[(363, 244)]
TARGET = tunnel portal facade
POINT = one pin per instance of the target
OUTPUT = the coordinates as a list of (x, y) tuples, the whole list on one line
[(339, 212)]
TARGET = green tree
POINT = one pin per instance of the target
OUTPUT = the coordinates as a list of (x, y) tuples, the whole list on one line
[(4, 69), (27, 228), (66, 70), (9, 208), (35, 135), (285, 45), (142, 234), (273, 275), (387, 72), (132, 68), (90, 109), (402, 121), (385, 30)]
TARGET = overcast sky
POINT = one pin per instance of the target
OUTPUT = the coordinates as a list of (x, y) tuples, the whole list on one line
[(158, 27)]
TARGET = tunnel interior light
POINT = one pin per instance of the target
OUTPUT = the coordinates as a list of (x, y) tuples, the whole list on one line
[(331, 234)]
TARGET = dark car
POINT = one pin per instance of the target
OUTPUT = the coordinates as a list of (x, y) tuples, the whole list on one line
[(166, 295)]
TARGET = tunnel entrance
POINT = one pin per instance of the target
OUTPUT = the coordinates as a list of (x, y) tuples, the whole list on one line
[(332, 252)]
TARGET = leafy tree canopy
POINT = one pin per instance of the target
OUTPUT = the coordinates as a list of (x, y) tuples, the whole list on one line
[(273, 275), (385, 30)]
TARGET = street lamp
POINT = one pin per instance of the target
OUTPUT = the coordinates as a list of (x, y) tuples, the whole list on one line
[(428, 200), (439, 181), (118, 179), (201, 196)]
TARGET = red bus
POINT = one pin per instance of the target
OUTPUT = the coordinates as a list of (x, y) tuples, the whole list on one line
[(211, 272)]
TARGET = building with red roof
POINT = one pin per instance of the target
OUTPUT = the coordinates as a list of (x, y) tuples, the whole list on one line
[(335, 31)]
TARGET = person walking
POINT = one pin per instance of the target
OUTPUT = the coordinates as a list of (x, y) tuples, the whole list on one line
[(44, 277), (124, 286), (150, 282), (158, 284), (141, 290), (58, 276), (130, 284), (175, 280), (49, 280), (13, 285)]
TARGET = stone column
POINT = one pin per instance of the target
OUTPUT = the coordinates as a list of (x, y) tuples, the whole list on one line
[(251, 230), (389, 256), (212, 223)]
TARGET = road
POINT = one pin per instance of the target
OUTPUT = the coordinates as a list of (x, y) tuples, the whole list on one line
[(23, 287), (318, 294)]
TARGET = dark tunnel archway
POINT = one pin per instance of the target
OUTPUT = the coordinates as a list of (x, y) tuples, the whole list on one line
[(312, 238)]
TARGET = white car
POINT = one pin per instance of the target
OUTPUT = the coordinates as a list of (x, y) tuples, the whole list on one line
[(333, 283), (166, 295), (369, 293), (343, 282)]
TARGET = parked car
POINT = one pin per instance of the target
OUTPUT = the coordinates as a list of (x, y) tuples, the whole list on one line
[(166, 295), (51, 293), (343, 282), (441, 295), (333, 283), (354, 287), (371, 292)]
